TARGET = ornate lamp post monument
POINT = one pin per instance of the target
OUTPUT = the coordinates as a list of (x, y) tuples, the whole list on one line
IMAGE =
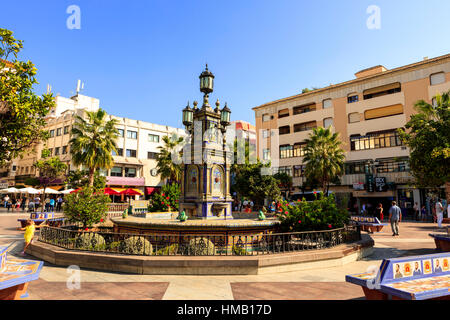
[(205, 187)]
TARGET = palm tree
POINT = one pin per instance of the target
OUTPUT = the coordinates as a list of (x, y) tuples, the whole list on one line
[(164, 164), (93, 141), (324, 157)]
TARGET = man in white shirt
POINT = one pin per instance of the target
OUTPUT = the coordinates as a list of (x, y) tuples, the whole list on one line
[(439, 213)]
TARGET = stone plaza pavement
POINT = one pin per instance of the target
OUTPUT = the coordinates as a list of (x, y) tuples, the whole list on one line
[(316, 284)]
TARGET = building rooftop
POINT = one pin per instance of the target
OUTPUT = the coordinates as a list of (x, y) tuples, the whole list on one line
[(365, 74)]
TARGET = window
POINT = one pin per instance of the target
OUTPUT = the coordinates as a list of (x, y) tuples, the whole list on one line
[(286, 151), (116, 172), (57, 151), (66, 129), (119, 152), (152, 155), (306, 108), (14, 168), (130, 172), (265, 133), (287, 170), (26, 170), (382, 90), (299, 149), (360, 167), (375, 141), (353, 117), (153, 138), (327, 103), (131, 153), (266, 117), (58, 131), (64, 150), (52, 133), (305, 126), (284, 130), (283, 113), (352, 98), (383, 112), (299, 171), (266, 154), (392, 165), (121, 132), (50, 151), (327, 122), (131, 134), (437, 78)]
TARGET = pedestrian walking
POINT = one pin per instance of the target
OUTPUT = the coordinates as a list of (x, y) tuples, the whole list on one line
[(29, 234), (379, 212), (424, 213), (245, 204), (52, 205), (6, 200), (439, 213), (416, 211), (31, 206), (395, 217)]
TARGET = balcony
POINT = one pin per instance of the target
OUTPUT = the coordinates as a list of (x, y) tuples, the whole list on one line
[(125, 181), (395, 177)]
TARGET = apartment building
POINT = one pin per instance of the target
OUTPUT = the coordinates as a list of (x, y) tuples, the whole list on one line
[(134, 162), (366, 111)]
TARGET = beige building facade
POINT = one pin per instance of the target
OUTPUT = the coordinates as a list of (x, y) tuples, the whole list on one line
[(366, 112), (134, 163)]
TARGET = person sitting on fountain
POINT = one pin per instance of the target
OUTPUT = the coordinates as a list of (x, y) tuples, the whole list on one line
[(261, 215), (182, 216)]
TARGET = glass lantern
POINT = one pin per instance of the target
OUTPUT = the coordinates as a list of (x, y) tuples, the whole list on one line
[(188, 116), (225, 116), (206, 81)]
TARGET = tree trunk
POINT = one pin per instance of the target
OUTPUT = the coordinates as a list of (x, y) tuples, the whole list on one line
[(91, 176)]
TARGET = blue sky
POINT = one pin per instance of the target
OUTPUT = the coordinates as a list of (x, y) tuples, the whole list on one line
[(142, 58)]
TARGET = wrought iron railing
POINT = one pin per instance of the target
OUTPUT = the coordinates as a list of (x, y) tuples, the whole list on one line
[(196, 244)]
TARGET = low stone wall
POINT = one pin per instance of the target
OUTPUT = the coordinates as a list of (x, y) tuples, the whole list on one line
[(205, 265)]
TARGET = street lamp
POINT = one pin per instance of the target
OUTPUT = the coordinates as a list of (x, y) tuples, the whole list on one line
[(206, 81), (225, 116), (188, 116)]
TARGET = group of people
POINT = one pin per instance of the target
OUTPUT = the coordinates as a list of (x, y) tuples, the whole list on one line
[(32, 204), (395, 214), (244, 206)]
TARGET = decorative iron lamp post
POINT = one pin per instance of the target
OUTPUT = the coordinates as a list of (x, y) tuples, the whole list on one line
[(205, 187)]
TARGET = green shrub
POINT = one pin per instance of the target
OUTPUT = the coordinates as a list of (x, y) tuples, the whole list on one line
[(90, 241), (138, 245), (166, 199), (320, 214), (238, 251), (87, 206), (201, 247), (168, 250)]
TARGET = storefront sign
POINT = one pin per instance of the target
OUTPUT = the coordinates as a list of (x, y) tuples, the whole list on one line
[(380, 184), (369, 183), (358, 186)]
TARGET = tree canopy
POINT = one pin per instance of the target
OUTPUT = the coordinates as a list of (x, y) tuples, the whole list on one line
[(93, 142), (427, 135), (166, 167), (324, 157), (22, 112)]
